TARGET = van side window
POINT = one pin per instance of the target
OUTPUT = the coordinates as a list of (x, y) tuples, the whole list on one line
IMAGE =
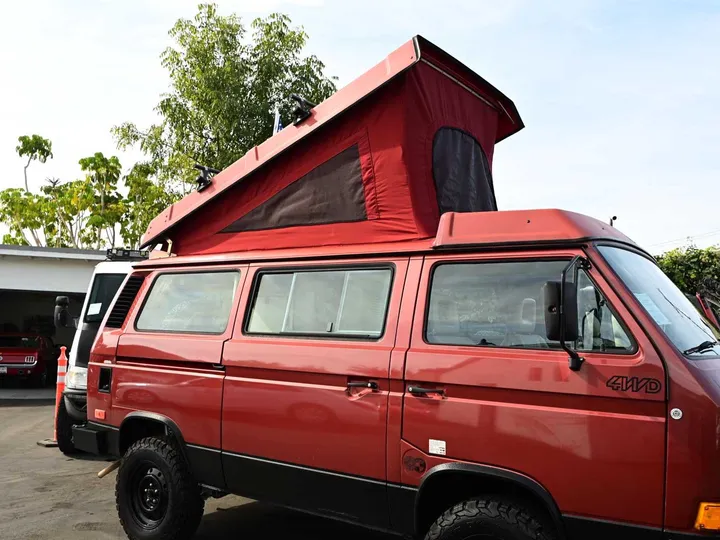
[(350, 303), (194, 303), (502, 305)]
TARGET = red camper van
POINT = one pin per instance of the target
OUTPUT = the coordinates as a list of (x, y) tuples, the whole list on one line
[(343, 323)]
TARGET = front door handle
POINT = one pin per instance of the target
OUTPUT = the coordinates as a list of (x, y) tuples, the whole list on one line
[(419, 391)]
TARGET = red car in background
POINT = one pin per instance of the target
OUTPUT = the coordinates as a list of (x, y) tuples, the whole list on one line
[(28, 356)]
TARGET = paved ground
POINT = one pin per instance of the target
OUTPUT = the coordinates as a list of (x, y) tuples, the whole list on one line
[(45, 495), (17, 393)]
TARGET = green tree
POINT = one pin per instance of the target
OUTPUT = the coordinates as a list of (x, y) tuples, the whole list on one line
[(72, 206), (34, 148), (21, 212), (225, 86), (146, 198), (691, 268), (104, 173)]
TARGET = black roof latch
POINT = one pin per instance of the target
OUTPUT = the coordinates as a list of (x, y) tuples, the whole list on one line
[(303, 110), (205, 177)]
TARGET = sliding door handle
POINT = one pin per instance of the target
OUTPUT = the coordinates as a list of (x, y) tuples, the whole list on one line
[(372, 385), (419, 391)]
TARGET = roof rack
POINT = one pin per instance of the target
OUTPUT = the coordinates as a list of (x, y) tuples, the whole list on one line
[(122, 254)]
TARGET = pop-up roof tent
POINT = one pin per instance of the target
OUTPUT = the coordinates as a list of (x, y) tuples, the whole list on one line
[(379, 161)]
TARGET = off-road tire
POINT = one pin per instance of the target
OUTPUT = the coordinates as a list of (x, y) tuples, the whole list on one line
[(487, 519), (63, 431), (185, 504)]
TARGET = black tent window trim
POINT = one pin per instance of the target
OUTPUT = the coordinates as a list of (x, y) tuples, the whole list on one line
[(332, 192), (461, 172)]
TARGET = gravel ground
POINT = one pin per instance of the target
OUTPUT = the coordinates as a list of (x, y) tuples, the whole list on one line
[(45, 495)]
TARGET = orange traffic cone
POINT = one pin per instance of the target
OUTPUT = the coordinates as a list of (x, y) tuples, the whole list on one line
[(59, 389)]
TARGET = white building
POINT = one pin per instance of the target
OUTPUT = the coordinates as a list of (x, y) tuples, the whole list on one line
[(31, 278)]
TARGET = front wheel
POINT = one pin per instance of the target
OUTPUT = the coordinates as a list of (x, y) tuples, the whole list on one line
[(63, 430), (156, 495), (487, 519)]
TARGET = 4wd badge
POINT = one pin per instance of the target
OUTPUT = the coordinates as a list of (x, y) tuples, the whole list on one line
[(634, 384)]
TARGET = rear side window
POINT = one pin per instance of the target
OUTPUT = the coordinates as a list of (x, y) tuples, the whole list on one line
[(350, 303), (502, 305), (189, 303), (103, 291)]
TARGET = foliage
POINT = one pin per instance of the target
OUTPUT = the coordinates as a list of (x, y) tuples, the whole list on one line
[(35, 148), (74, 214), (224, 89), (20, 210), (71, 208), (691, 268), (146, 198), (225, 83), (104, 173)]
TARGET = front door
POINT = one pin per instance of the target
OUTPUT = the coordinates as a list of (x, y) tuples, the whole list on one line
[(485, 385), (306, 388)]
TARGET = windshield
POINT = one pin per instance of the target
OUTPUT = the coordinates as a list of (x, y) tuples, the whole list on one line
[(19, 342), (103, 292), (664, 302)]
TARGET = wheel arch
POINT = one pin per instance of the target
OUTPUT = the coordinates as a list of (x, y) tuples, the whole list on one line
[(139, 424), (450, 483)]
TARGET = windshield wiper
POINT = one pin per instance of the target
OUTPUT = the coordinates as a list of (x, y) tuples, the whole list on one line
[(704, 346)]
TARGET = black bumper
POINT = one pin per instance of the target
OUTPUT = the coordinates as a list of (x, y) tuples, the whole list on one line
[(76, 404), (96, 439)]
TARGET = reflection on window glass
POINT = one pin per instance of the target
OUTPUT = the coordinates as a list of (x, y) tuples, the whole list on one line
[(365, 301), (502, 305), (340, 302), (598, 329), (490, 304), (192, 303)]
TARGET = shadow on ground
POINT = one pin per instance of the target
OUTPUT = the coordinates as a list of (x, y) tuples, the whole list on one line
[(258, 520)]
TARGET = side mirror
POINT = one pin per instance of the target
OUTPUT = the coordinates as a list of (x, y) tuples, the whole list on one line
[(62, 316), (561, 315)]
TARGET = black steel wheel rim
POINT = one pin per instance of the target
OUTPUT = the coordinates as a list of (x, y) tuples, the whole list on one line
[(148, 495)]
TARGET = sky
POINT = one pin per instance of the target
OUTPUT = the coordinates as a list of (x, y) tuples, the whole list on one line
[(620, 99)]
